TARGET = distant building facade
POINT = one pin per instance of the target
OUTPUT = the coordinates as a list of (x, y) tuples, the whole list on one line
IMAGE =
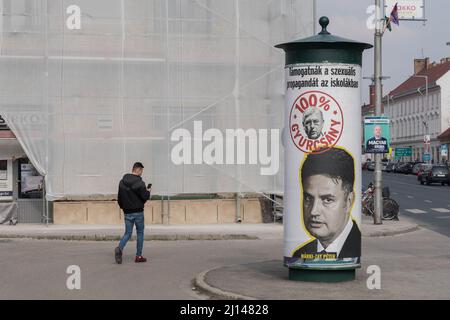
[(414, 115)]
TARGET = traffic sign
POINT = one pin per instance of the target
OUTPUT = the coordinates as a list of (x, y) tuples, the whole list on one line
[(403, 152), (444, 150)]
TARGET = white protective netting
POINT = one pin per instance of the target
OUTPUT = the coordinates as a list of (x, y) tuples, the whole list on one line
[(85, 104)]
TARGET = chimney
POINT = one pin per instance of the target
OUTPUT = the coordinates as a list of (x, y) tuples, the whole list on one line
[(420, 65)]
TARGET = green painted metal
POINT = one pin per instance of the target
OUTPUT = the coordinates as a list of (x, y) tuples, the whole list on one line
[(322, 275), (324, 48)]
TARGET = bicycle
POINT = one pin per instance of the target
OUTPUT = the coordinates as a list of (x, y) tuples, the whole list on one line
[(390, 206)]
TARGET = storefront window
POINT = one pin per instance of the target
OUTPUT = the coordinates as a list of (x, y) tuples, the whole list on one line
[(31, 182)]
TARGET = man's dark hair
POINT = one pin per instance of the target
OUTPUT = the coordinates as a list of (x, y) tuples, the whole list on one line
[(334, 163), (138, 165)]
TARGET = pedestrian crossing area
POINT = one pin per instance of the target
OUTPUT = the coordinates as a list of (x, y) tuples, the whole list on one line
[(432, 210)]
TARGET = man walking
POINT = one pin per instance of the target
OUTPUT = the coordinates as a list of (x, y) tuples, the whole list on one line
[(131, 198)]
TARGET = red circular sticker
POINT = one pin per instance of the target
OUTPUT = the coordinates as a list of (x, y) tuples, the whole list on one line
[(315, 122)]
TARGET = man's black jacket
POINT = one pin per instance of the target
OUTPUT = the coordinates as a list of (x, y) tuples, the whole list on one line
[(132, 194)]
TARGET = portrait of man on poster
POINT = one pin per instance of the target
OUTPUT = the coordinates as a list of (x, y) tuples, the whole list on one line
[(327, 180)]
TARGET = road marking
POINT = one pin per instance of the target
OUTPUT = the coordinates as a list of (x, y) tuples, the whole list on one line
[(429, 201), (444, 217), (441, 210), (410, 197), (418, 186), (415, 211)]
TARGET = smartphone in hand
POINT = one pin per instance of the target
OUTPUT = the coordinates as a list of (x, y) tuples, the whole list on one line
[(149, 186)]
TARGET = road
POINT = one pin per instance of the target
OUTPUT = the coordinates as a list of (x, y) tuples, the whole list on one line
[(428, 206), (36, 269), (414, 265)]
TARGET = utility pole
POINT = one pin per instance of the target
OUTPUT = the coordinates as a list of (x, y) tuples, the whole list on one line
[(377, 70)]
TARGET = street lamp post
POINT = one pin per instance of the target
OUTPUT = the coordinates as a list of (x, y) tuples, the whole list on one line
[(427, 124), (377, 75)]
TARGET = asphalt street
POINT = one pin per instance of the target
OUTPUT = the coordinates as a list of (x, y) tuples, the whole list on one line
[(428, 206), (413, 265), (36, 269)]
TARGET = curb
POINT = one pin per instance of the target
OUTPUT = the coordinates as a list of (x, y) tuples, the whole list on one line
[(200, 282), (162, 237), (390, 233)]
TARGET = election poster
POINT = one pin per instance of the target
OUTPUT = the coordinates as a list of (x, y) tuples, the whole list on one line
[(376, 134), (322, 208)]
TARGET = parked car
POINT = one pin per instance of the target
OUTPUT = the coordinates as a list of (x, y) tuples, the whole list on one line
[(397, 166), (365, 164), (436, 174), (371, 166), (390, 167), (422, 168), (407, 168), (384, 165), (416, 168)]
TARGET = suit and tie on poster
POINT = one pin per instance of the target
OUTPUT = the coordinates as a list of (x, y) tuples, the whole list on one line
[(323, 210), (376, 134)]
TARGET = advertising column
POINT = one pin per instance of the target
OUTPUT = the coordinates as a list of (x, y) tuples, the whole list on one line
[(322, 186)]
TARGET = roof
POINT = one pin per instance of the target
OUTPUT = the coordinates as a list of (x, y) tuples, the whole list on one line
[(413, 83), (444, 134), (324, 39)]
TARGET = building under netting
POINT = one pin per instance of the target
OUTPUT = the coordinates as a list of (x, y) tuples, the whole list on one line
[(88, 87)]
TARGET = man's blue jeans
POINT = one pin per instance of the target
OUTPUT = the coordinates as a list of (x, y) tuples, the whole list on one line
[(132, 219)]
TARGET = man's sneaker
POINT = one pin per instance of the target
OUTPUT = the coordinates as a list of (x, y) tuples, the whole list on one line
[(140, 259), (118, 255)]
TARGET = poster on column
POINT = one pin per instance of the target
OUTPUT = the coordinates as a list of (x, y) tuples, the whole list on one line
[(6, 180), (323, 217), (376, 134)]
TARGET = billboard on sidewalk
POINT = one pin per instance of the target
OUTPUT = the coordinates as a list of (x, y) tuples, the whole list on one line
[(6, 180), (407, 9), (376, 134)]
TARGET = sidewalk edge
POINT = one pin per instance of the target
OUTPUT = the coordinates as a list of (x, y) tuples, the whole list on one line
[(391, 233), (200, 282), (156, 237)]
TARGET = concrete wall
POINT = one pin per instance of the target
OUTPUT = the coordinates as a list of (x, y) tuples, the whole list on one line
[(208, 211)]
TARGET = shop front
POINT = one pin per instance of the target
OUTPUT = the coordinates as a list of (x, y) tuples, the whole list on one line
[(21, 186)]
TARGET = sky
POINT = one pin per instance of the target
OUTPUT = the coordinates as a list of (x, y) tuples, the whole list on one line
[(400, 47)]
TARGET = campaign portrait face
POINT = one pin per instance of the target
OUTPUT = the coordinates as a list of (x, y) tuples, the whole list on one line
[(313, 123), (326, 207), (327, 181), (377, 132)]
